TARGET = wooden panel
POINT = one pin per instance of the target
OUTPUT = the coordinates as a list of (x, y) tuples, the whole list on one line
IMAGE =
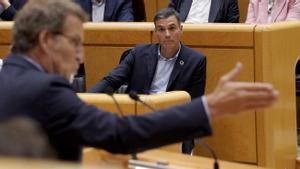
[(276, 53), (5, 37), (5, 32), (217, 35), (117, 33), (238, 133), (4, 50), (243, 7), (99, 61), (151, 8)]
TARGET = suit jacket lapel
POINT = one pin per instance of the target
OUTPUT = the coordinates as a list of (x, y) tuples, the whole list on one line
[(109, 9), (185, 8), (151, 63), (179, 65), (87, 6), (214, 9)]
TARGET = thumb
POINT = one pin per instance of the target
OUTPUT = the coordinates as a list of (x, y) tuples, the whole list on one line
[(233, 73)]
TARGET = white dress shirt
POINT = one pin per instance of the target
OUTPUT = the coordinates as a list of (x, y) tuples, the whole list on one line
[(163, 72), (98, 10), (199, 12)]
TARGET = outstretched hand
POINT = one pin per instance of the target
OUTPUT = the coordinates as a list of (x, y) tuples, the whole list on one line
[(231, 97)]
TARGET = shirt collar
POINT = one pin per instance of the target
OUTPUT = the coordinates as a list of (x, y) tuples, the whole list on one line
[(98, 3), (172, 58), (34, 63)]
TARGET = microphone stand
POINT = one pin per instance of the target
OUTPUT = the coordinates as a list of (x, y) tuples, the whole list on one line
[(110, 92)]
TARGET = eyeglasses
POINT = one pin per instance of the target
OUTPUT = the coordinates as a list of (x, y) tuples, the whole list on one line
[(74, 40)]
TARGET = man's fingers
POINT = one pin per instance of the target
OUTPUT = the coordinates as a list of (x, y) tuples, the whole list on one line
[(251, 86), (233, 73)]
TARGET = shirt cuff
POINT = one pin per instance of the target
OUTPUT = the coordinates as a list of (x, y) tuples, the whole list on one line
[(203, 98)]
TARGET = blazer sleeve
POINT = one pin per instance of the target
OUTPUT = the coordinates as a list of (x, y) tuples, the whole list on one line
[(198, 81), (70, 121), (294, 11), (9, 13), (117, 77), (126, 12), (233, 14)]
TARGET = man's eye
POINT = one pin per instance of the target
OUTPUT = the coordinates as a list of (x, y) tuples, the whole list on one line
[(160, 29), (172, 28)]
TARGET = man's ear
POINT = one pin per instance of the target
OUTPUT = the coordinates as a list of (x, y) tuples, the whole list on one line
[(44, 40)]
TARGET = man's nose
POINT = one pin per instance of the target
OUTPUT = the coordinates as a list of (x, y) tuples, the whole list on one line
[(80, 55), (168, 33)]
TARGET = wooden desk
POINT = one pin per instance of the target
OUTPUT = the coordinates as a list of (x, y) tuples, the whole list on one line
[(98, 158), (130, 107)]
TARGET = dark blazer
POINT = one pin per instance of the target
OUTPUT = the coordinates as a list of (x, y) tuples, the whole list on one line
[(223, 11), (10, 12), (115, 10), (71, 124), (138, 69)]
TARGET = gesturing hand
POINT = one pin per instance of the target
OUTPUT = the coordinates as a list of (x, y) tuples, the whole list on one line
[(231, 97)]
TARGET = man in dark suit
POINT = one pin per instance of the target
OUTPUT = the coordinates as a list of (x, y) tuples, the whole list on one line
[(166, 66), (113, 10), (194, 11), (8, 8), (34, 82)]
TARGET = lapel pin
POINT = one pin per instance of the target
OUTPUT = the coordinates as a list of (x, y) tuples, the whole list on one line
[(181, 62)]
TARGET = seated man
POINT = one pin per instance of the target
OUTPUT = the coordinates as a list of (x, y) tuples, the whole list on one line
[(8, 8), (203, 11), (34, 82), (166, 66), (107, 10)]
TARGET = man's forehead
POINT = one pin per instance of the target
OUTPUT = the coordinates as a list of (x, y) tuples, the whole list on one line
[(171, 20)]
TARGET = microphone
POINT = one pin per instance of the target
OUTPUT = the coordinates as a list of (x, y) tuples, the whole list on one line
[(110, 91), (211, 152), (133, 95)]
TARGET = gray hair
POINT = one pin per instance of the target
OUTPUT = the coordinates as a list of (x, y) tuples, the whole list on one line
[(40, 15), (165, 13)]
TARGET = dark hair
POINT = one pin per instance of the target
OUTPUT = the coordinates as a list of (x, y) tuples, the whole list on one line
[(40, 15), (165, 13)]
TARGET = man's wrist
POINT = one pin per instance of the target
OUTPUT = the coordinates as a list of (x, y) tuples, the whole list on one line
[(206, 108)]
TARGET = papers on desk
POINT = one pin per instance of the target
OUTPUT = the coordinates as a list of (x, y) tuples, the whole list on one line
[(137, 164)]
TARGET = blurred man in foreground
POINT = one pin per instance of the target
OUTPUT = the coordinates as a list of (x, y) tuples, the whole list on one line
[(34, 81)]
